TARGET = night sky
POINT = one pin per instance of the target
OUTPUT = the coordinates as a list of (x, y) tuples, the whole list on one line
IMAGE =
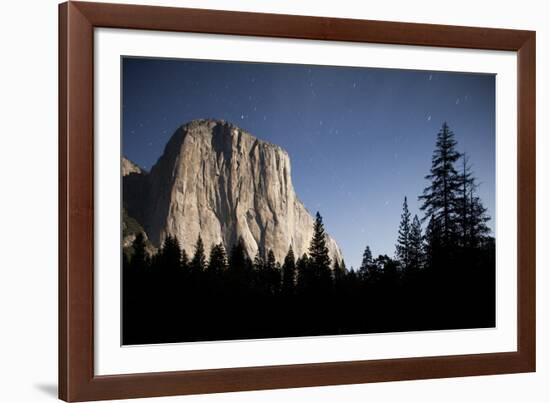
[(359, 139)]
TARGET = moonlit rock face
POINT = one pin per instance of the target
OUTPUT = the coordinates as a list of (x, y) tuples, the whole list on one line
[(216, 180), (128, 167)]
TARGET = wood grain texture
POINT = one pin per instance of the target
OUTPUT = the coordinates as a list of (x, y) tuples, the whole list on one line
[(527, 200), (77, 381), (299, 27), (62, 206), (76, 213)]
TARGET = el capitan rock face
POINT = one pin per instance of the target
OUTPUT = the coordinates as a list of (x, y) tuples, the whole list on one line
[(128, 167), (216, 180)]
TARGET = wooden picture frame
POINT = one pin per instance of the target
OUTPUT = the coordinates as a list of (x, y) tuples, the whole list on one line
[(77, 381)]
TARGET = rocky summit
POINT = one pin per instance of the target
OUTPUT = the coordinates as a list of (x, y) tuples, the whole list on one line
[(216, 180)]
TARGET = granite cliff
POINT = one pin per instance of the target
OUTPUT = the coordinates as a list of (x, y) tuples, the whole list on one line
[(216, 180)]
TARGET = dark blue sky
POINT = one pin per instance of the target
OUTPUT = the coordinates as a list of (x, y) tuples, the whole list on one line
[(359, 139)]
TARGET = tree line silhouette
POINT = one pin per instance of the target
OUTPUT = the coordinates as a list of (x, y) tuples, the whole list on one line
[(440, 278)]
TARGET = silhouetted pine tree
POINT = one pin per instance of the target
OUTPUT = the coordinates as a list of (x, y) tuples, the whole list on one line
[(388, 268), (439, 198), (259, 273), (139, 259), (170, 254), (259, 262), (466, 185), (367, 268), (271, 262), (289, 273), (478, 219), (238, 256), (217, 263), (240, 272), (416, 254), (184, 260), (473, 215), (339, 271), (213, 285), (319, 255), (305, 277), (352, 281), (403, 247), (272, 273), (198, 263), (433, 243)]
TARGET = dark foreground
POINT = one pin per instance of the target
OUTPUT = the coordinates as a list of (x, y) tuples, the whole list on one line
[(176, 304)]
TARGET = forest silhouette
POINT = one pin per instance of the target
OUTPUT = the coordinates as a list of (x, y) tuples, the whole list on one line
[(442, 277)]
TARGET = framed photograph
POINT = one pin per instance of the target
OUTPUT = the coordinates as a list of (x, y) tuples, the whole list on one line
[(256, 201)]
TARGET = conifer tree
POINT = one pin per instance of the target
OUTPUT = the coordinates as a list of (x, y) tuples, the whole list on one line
[(387, 268), (217, 263), (352, 279), (478, 221), (258, 267), (305, 278), (432, 243), (198, 263), (238, 257), (259, 263), (403, 247), (319, 255), (289, 272), (338, 270), (272, 273), (466, 184), (416, 248), (271, 262), (439, 198), (139, 258), (240, 272), (184, 260), (367, 265), (170, 254), (472, 214)]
